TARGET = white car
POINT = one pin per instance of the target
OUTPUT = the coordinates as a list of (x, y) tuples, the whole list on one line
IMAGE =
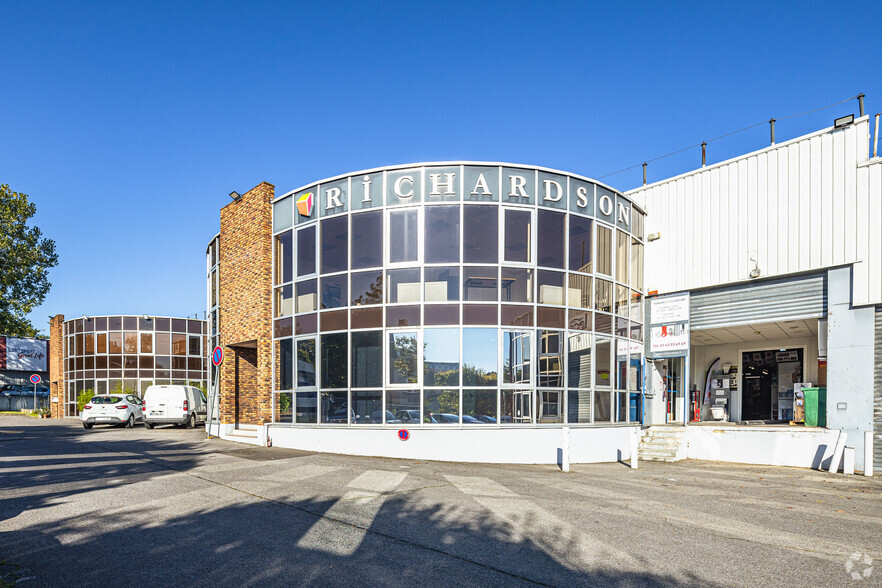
[(113, 409)]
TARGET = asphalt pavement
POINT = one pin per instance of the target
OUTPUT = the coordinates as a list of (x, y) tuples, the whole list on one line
[(171, 507)]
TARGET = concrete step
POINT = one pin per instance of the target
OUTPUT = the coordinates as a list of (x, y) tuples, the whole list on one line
[(656, 458)]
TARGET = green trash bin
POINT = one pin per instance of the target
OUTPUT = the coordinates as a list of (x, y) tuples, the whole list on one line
[(815, 407)]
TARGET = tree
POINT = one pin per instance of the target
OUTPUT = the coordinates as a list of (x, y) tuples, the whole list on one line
[(25, 259)]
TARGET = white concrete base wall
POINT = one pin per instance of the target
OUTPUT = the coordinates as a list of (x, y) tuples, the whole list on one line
[(496, 445), (805, 448)]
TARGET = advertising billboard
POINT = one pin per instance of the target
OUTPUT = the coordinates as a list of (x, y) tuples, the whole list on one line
[(30, 355)]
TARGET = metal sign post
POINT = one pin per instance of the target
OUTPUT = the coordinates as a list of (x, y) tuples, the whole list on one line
[(35, 379), (217, 358)]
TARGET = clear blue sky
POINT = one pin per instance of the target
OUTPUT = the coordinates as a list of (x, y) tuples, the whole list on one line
[(129, 124)]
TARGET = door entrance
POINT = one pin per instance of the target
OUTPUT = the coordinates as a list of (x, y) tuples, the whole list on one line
[(670, 372), (767, 383)]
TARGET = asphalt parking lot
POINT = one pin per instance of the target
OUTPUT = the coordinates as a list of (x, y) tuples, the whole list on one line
[(169, 506)]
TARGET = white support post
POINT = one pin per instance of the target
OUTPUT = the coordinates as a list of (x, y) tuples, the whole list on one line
[(635, 436), (848, 461), (868, 453), (837, 453), (565, 450)]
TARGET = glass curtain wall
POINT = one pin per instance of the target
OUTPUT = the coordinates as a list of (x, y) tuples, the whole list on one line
[(456, 314)]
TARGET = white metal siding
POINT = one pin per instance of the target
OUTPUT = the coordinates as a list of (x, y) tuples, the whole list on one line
[(776, 300), (810, 203)]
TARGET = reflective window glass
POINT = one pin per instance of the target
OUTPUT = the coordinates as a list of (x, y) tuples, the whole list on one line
[(480, 355), (516, 406), (579, 291), (516, 357), (306, 251), (305, 296), (305, 362), (335, 244), (622, 300), (131, 342), (579, 360), (334, 407), (603, 295), (284, 301), (367, 239), (367, 407), (479, 284), (602, 362), (604, 250), (441, 284), (334, 291), (284, 407), (402, 406), (441, 314), (480, 314), (442, 237), (89, 341), (403, 285), (403, 233), (335, 360), (101, 343), (403, 358), (163, 344), (480, 234), (518, 234), (579, 406), (284, 365), (517, 284), (115, 342), (549, 371), (551, 287), (367, 288), (441, 357), (580, 244), (479, 405), (635, 311), (367, 359), (441, 407), (284, 269), (146, 343), (306, 407), (549, 406), (602, 406), (194, 345), (622, 255), (550, 240)]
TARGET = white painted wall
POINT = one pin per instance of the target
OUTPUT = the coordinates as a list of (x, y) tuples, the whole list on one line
[(809, 203), (533, 445), (799, 447)]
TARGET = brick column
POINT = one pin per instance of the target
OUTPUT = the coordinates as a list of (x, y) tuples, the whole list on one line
[(245, 306), (56, 366)]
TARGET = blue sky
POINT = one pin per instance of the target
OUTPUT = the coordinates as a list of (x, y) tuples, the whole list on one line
[(129, 124)]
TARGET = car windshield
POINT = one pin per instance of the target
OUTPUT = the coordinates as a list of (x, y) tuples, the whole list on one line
[(105, 399)]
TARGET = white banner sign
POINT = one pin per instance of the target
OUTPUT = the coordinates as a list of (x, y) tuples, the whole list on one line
[(669, 338), (30, 355), (669, 309)]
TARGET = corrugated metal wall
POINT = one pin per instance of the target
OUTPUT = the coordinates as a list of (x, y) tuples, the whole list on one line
[(877, 398), (810, 203), (775, 300)]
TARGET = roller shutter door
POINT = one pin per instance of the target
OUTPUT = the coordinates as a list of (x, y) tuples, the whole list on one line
[(877, 398), (802, 297)]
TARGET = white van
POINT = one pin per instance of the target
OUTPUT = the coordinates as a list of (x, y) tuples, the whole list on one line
[(174, 405)]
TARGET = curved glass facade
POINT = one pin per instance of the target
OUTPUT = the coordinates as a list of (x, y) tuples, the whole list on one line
[(127, 354), (457, 295)]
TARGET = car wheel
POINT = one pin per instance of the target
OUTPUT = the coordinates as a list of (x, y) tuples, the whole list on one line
[(87, 425), (148, 425), (191, 422), (130, 422)]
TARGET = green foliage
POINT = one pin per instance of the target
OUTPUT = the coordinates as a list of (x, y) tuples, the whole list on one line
[(25, 259), (404, 360), (475, 376), (83, 398), (448, 402), (285, 403)]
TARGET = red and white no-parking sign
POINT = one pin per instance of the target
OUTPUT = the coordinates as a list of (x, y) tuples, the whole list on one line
[(35, 379), (217, 356)]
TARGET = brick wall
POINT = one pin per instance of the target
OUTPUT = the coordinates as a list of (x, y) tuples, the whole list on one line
[(56, 366), (245, 306)]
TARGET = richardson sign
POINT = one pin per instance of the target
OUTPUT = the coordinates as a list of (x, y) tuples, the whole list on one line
[(451, 182), (29, 355)]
